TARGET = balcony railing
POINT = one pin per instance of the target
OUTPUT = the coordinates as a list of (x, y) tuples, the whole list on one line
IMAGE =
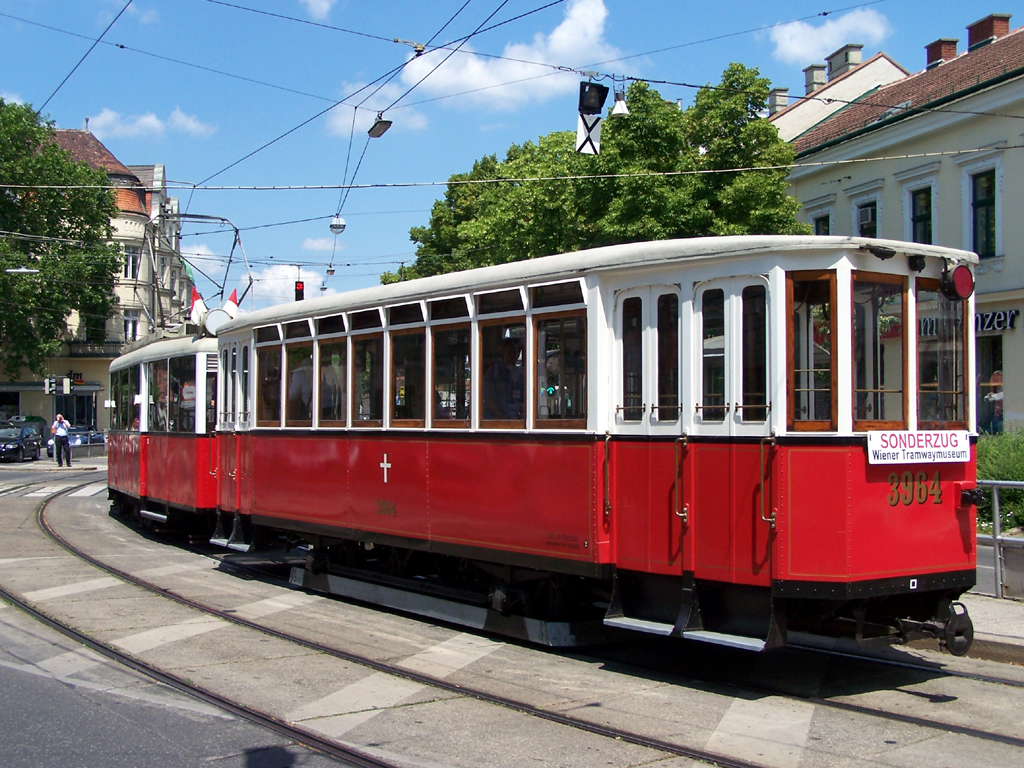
[(108, 348)]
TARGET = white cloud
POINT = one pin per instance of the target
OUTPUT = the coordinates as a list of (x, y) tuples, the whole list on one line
[(319, 244), (576, 41), (11, 98), (802, 43), (189, 124), (318, 9), (111, 124)]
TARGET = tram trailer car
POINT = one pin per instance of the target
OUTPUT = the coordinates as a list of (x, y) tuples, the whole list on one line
[(723, 439), (161, 452)]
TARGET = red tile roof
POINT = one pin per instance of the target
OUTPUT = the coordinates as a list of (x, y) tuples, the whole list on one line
[(969, 71), (86, 148)]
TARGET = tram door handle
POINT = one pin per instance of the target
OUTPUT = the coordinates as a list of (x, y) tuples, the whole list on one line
[(770, 442), (681, 510)]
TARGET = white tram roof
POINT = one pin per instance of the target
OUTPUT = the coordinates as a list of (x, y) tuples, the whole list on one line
[(566, 266), (165, 348)]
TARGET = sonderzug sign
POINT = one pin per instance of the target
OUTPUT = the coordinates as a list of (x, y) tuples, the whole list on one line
[(918, 447)]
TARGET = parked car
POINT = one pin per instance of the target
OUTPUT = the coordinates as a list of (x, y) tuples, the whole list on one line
[(78, 436), (19, 442)]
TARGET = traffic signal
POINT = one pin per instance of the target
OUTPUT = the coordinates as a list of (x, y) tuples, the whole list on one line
[(300, 290), (47, 386)]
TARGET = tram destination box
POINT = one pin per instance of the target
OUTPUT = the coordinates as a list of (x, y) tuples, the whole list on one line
[(918, 447)]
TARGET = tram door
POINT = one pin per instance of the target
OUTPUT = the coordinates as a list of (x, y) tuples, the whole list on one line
[(227, 435), (645, 450), (730, 510)]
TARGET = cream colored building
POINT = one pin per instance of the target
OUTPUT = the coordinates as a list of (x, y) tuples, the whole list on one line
[(936, 157), (154, 293)]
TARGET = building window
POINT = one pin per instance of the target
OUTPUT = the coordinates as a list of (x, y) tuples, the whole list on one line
[(131, 324), (983, 203), (822, 225), (921, 215), (867, 219), (132, 258), (990, 384)]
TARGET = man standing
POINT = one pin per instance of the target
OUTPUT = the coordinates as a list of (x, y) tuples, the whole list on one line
[(61, 446)]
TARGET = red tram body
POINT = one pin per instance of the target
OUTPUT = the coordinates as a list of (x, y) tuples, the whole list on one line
[(689, 436)]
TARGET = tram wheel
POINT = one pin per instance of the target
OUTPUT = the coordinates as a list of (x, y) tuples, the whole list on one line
[(959, 630)]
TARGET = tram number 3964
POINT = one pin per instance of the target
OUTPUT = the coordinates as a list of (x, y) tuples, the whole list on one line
[(909, 488)]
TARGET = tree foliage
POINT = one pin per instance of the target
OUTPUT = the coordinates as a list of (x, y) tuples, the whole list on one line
[(55, 217), (667, 175)]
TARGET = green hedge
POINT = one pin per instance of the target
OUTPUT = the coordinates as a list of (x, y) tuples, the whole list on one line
[(1001, 457)]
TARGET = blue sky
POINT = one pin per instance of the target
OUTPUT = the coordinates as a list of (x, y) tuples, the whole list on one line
[(202, 85)]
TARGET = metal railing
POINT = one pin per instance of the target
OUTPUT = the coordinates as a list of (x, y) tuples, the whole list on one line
[(997, 540)]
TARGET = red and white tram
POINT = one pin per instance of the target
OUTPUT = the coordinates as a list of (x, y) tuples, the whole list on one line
[(161, 452), (725, 439)]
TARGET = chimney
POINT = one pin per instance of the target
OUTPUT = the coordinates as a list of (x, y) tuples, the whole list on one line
[(988, 29), (941, 51), (814, 78), (843, 60), (778, 98)]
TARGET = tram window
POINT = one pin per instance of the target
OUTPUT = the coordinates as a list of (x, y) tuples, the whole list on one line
[(562, 371), (369, 318), (452, 377), (233, 384), (332, 324), (668, 358), (812, 368), (268, 333), (134, 382), (297, 330), (368, 381), (878, 351), (632, 359), (755, 355), (503, 355), (408, 378), (448, 309), (713, 368), (333, 378), (211, 400), (158, 404), (941, 350), (299, 410), (408, 313), (556, 295), (243, 388), (182, 416), (268, 398), (225, 414), (501, 301)]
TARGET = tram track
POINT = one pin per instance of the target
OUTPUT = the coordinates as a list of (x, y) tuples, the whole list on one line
[(508, 703), (304, 736)]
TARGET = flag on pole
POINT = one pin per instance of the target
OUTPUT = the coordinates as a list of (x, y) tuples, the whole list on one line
[(231, 305), (198, 307)]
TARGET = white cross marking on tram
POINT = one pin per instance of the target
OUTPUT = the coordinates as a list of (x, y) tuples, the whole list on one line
[(385, 465)]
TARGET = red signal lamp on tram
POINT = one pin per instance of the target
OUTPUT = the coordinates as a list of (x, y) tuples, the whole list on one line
[(957, 284)]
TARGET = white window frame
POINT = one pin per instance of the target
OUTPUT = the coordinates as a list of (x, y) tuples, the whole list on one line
[(914, 180), (861, 195), (820, 207), (970, 166)]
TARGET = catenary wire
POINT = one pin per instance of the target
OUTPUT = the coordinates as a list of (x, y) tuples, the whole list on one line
[(84, 56)]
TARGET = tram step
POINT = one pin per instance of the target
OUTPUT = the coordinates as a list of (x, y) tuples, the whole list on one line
[(732, 641), (639, 625), (704, 636)]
